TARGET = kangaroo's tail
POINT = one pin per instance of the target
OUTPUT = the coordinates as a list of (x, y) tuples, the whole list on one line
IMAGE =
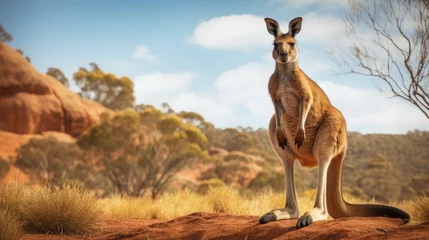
[(338, 207)]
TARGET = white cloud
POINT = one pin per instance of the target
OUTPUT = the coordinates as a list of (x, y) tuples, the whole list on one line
[(143, 52), (156, 88), (326, 4), (247, 87), (240, 98), (208, 105), (247, 32), (320, 29), (237, 32), (369, 111)]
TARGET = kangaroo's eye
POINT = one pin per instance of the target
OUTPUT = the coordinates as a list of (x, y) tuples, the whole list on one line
[(292, 45), (276, 44)]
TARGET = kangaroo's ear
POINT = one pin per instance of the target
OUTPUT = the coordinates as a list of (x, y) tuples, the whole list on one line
[(273, 27), (295, 26)]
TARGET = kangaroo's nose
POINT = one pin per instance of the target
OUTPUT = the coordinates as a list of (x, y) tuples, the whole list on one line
[(283, 54)]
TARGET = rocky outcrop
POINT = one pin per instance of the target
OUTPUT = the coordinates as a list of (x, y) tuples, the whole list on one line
[(33, 103)]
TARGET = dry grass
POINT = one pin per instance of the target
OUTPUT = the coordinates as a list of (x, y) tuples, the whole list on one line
[(229, 200), (11, 196), (10, 225), (221, 199), (70, 210), (49, 210), (420, 209), (60, 210)]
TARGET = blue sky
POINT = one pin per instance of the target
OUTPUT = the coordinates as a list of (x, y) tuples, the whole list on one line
[(212, 57)]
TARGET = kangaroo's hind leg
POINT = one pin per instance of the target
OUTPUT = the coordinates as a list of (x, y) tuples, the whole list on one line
[(330, 142), (290, 211)]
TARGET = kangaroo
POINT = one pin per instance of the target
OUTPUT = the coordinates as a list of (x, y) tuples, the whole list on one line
[(305, 116)]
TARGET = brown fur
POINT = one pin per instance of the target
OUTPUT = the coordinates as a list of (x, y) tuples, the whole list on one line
[(290, 86), (308, 128)]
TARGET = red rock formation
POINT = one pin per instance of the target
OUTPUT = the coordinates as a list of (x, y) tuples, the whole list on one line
[(33, 103)]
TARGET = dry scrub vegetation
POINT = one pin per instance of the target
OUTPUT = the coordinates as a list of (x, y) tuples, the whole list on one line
[(69, 209), (228, 200), (57, 210)]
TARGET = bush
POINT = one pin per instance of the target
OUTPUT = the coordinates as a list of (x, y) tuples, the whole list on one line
[(226, 200), (268, 179), (47, 159), (420, 210), (4, 167), (235, 155), (11, 196), (60, 210), (206, 185), (10, 225)]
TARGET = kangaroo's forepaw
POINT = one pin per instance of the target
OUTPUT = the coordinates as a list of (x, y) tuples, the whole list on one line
[(299, 138), (281, 139), (316, 214)]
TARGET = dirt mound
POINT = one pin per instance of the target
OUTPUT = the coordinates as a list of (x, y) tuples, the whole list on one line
[(224, 226), (33, 103)]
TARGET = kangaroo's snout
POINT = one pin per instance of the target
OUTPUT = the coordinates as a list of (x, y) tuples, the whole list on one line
[(283, 56)]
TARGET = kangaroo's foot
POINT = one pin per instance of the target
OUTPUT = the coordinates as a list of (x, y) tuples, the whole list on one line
[(316, 214), (278, 214)]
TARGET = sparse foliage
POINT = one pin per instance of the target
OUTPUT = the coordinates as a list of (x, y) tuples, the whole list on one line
[(48, 160), (4, 167), (389, 41), (106, 88), (59, 75), (4, 35), (137, 158)]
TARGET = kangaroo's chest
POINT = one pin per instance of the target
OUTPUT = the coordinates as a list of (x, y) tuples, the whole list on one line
[(289, 98)]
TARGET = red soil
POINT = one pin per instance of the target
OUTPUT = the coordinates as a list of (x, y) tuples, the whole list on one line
[(224, 226)]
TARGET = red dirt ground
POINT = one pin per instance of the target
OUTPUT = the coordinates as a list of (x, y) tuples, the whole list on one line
[(223, 226)]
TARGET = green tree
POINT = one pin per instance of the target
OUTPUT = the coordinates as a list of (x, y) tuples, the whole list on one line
[(111, 91), (48, 160), (59, 75), (137, 158)]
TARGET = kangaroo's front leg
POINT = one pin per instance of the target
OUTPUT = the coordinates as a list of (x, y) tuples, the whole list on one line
[(304, 109), (320, 210), (281, 138), (290, 211)]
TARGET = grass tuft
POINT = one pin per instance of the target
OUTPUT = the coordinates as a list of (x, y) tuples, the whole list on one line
[(10, 225), (420, 210), (64, 210), (11, 196)]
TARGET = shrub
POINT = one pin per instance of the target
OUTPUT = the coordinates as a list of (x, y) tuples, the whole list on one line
[(10, 225), (268, 179), (11, 196), (420, 211), (225, 200), (48, 159), (60, 210), (235, 155), (4, 167), (206, 185)]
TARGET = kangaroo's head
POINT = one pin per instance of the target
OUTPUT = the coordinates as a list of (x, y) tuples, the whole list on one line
[(285, 50)]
